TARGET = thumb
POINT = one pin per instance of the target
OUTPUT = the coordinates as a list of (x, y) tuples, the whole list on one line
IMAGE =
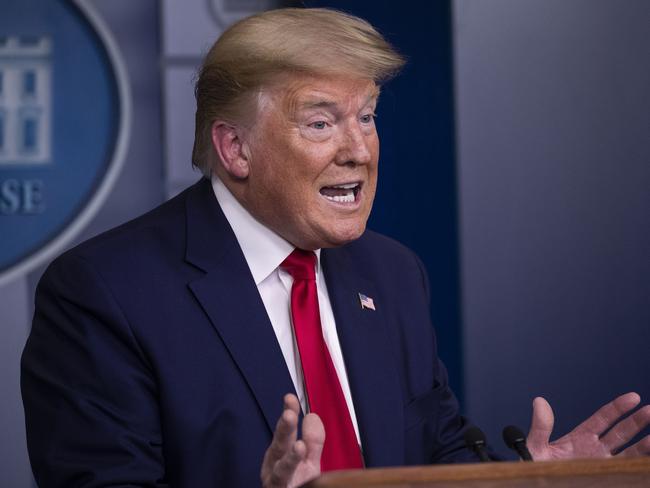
[(541, 424), (313, 435)]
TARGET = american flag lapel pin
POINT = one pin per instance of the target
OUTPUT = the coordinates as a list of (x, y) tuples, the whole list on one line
[(366, 302)]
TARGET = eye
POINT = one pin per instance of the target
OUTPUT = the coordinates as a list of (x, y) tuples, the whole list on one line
[(367, 119), (319, 125)]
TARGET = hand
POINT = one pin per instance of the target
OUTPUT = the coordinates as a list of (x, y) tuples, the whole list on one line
[(289, 462), (586, 440)]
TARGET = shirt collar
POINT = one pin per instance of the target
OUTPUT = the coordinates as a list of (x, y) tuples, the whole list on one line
[(263, 249)]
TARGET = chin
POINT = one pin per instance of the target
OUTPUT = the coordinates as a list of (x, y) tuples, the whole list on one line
[(345, 236)]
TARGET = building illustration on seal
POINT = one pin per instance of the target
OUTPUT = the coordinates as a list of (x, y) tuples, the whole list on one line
[(25, 100)]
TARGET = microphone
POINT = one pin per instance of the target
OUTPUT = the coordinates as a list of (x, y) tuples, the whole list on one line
[(475, 441), (516, 440)]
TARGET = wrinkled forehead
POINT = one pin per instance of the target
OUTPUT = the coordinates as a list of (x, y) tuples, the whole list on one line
[(296, 93)]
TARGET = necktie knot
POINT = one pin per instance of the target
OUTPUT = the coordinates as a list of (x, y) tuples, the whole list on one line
[(300, 264)]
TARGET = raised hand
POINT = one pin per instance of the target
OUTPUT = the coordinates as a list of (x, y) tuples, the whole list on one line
[(587, 439), (289, 462)]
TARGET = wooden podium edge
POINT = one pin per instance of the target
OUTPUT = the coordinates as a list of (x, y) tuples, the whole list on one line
[(482, 471)]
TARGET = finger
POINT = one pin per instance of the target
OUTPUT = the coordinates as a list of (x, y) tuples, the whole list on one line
[(626, 429), (641, 448), (313, 434), (285, 434), (541, 424), (292, 403), (608, 414), (284, 469)]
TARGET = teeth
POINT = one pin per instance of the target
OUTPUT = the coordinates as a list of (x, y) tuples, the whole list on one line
[(349, 198), (347, 186)]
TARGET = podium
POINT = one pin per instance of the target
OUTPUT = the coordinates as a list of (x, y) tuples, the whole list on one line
[(592, 473)]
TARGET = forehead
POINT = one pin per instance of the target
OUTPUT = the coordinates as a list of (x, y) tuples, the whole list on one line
[(296, 93)]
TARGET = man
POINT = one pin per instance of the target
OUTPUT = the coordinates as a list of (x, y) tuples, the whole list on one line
[(161, 351)]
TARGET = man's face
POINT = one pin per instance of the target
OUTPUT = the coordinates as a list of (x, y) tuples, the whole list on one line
[(313, 160)]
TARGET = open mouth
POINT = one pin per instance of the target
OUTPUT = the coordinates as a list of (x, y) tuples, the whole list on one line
[(345, 193)]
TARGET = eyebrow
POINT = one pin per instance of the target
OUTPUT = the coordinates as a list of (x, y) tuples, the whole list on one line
[(316, 103)]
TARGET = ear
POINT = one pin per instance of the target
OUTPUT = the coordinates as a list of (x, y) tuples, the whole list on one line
[(229, 146)]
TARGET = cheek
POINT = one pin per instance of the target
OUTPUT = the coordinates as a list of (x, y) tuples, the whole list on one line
[(374, 149), (308, 166)]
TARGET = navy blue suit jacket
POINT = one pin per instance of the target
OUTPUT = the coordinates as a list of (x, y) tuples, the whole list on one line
[(152, 362)]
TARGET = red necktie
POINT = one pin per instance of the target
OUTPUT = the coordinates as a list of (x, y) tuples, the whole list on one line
[(341, 450)]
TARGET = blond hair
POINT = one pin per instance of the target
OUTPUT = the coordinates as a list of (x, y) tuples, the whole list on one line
[(252, 52)]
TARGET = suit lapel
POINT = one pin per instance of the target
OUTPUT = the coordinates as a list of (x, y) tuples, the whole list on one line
[(228, 295), (374, 383)]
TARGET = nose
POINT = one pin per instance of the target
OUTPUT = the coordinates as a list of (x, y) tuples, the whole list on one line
[(356, 147)]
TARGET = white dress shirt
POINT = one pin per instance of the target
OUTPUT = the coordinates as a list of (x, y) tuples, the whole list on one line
[(264, 251)]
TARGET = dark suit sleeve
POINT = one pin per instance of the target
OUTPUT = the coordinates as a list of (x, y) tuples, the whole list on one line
[(89, 394), (450, 425)]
